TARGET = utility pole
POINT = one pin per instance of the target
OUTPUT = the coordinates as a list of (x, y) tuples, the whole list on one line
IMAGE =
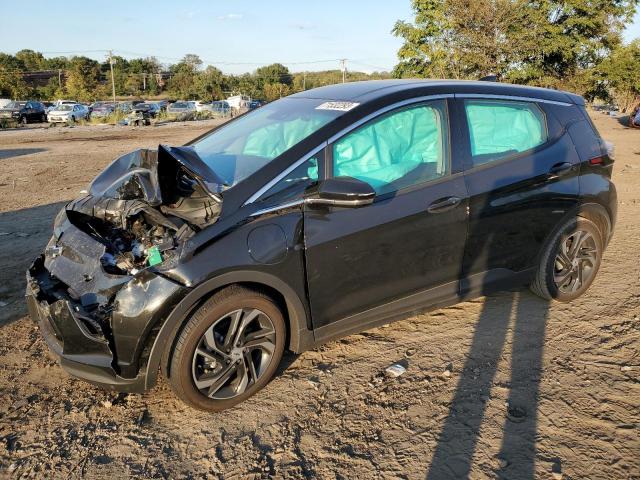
[(144, 81), (60, 78), (343, 66), (304, 81), (113, 82)]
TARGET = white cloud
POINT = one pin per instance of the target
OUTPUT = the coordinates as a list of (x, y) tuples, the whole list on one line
[(231, 16)]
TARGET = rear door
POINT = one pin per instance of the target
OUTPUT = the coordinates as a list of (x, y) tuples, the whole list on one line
[(411, 239), (521, 171)]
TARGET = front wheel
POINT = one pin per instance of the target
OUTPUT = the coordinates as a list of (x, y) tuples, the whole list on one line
[(228, 350), (570, 261)]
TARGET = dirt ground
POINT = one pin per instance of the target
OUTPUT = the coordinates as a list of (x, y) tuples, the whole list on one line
[(506, 386)]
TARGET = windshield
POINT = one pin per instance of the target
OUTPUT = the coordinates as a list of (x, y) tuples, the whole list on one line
[(16, 105), (180, 105), (245, 145), (65, 108)]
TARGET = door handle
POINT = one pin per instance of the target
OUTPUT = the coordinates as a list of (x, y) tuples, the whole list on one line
[(444, 205), (560, 169)]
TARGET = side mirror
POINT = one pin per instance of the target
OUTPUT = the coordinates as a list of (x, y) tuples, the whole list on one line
[(341, 192)]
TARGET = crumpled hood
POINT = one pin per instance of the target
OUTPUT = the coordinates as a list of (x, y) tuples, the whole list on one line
[(151, 175)]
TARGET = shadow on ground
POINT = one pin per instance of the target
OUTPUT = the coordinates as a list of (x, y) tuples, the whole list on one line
[(525, 315), (17, 152), (23, 235)]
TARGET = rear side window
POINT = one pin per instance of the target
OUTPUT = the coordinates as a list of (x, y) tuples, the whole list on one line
[(498, 129), (404, 148)]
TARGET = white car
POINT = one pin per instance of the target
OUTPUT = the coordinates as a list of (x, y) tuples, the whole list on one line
[(68, 113), (202, 106)]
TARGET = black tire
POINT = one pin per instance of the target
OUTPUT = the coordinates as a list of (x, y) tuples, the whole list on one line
[(562, 277), (43, 118), (23, 120), (221, 371)]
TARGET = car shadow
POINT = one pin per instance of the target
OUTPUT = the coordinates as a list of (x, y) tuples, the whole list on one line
[(524, 317), (23, 236), (515, 319), (17, 152)]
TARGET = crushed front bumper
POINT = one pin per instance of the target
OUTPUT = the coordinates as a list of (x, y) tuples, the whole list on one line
[(109, 357)]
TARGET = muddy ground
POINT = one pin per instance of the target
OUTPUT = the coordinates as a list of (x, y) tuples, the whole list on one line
[(507, 386)]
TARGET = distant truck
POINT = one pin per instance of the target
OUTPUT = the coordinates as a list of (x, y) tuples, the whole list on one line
[(239, 101)]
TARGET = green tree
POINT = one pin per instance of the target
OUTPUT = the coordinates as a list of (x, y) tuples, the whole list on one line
[(522, 41), (12, 84), (619, 74), (274, 73), (209, 84), (82, 78), (31, 60)]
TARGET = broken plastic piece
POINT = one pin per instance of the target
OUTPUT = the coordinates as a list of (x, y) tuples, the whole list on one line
[(154, 256), (395, 370)]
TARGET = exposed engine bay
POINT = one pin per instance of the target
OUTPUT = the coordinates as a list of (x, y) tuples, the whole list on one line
[(144, 206)]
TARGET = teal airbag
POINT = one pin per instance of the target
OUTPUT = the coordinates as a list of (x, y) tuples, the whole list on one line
[(387, 150)]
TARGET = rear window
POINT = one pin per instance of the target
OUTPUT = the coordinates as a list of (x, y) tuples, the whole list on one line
[(498, 129)]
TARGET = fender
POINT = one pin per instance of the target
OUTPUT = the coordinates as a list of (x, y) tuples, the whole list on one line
[(300, 337)]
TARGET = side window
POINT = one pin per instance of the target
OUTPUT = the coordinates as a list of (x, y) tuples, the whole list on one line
[(403, 148), (498, 129), (295, 183)]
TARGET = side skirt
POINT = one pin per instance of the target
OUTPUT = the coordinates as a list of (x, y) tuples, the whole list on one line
[(442, 296)]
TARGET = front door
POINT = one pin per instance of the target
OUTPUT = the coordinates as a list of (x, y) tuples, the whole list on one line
[(409, 240)]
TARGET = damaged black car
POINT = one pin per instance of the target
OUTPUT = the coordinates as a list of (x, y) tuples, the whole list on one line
[(321, 214)]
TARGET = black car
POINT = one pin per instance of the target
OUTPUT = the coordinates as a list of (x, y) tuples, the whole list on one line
[(315, 216), (24, 112)]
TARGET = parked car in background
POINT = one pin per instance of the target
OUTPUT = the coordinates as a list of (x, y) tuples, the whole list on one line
[(220, 107), (24, 112), (322, 214), (181, 108), (4, 102), (202, 106), (102, 109), (124, 107), (253, 104), (151, 108), (68, 113)]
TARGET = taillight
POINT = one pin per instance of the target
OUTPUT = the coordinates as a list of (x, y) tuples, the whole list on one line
[(597, 161)]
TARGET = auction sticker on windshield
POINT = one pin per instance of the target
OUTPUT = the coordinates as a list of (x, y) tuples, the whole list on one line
[(341, 106)]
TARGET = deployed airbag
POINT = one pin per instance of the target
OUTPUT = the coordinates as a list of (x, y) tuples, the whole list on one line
[(384, 151)]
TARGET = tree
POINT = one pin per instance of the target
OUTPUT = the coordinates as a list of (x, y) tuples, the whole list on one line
[(82, 78), (12, 84), (31, 60), (619, 73), (274, 73), (209, 84), (519, 40)]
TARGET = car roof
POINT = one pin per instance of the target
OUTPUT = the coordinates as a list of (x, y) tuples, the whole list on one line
[(370, 90)]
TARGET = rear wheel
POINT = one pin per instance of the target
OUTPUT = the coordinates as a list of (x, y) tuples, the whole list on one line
[(228, 350), (570, 261)]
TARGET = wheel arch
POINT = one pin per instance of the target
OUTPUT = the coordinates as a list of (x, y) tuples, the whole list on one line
[(598, 215), (299, 337)]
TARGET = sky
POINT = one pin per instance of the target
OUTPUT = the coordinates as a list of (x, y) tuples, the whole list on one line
[(234, 35)]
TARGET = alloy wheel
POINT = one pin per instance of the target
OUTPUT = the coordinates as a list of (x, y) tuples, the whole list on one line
[(576, 261), (233, 353)]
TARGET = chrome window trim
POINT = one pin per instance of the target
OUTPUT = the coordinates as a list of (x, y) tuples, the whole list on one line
[(511, 97), (384, 110), (340, 134), (283, 174)]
